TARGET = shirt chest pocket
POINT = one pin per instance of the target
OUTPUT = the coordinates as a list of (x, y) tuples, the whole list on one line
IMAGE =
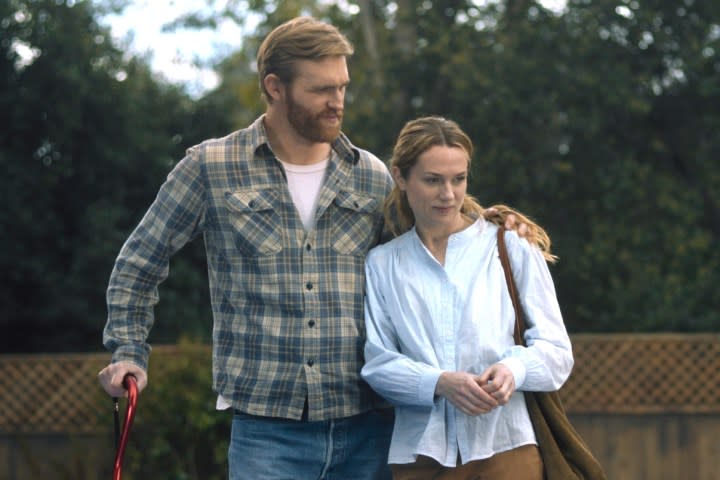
[(356, 223), (255, 224)]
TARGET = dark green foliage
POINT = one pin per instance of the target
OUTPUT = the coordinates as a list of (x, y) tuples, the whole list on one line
[(600, 122), (177, 432), (87, 138)]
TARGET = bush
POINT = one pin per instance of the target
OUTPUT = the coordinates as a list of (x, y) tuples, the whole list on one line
[(177, 433)]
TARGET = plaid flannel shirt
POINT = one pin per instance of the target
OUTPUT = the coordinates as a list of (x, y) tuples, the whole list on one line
[(287, 303)]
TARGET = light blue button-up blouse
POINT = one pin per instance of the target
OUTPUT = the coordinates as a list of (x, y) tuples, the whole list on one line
[(424, 318)]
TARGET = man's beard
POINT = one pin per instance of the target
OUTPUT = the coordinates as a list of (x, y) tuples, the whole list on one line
[(309, 126)]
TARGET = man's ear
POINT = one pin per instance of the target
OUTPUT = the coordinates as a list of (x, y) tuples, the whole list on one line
[(274, 86), (397, 176)]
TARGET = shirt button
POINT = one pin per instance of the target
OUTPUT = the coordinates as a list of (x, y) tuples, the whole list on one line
[(310, 362), (311, 323), (309, 286), (308, 247)]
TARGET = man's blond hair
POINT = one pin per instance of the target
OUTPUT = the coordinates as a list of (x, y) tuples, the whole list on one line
[(302, 38)]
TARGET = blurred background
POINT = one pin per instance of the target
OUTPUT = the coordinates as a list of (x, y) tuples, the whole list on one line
[(600, 119)]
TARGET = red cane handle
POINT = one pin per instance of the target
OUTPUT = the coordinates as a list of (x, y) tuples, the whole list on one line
[(130, 384)]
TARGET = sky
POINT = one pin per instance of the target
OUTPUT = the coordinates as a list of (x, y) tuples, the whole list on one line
[(173, 55)]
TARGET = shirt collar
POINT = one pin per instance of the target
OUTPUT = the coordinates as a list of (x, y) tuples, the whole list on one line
[(459, 238), (342, 146)]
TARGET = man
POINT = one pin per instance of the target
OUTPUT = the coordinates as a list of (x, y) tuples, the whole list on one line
[(288, 208)]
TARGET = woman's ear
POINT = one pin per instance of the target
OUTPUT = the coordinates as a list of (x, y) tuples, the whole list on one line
[(397, 176)]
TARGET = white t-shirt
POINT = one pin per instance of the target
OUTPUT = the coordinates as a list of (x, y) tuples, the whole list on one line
[(304, 183)]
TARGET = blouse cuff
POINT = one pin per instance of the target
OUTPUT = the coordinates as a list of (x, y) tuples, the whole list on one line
[(517, 368), (426, 387)]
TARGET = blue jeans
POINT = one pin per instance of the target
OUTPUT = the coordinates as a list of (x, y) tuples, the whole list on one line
[(353, 448)]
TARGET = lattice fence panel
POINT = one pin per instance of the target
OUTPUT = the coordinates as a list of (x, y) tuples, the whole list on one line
[(625, 374), (51, 393), (60, 393), (662, 373)]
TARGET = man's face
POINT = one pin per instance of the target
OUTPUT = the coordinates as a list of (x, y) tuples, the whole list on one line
[(315, 99)]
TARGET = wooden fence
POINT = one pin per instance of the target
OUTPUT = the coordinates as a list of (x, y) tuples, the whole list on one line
[(648, 406)]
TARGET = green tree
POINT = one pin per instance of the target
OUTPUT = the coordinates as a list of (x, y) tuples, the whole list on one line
[(598, 121), (88, 138), (621, 155)]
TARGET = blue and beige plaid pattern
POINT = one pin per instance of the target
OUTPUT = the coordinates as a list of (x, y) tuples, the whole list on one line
[(287, 303)]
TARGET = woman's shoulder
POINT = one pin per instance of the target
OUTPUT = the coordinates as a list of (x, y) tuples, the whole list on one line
[(390, 248), (519, 248)]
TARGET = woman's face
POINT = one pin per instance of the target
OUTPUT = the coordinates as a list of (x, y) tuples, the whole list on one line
[(435, 188)]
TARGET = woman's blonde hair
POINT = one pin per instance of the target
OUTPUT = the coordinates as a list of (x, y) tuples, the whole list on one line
[(417, 137), (302, 38)]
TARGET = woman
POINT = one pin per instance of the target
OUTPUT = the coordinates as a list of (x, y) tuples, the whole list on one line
[(440, 321)]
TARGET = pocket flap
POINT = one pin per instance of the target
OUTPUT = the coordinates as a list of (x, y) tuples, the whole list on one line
[(357, 202), (248, 201)]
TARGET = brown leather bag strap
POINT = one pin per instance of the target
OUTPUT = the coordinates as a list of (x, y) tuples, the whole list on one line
[(512, 288)]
